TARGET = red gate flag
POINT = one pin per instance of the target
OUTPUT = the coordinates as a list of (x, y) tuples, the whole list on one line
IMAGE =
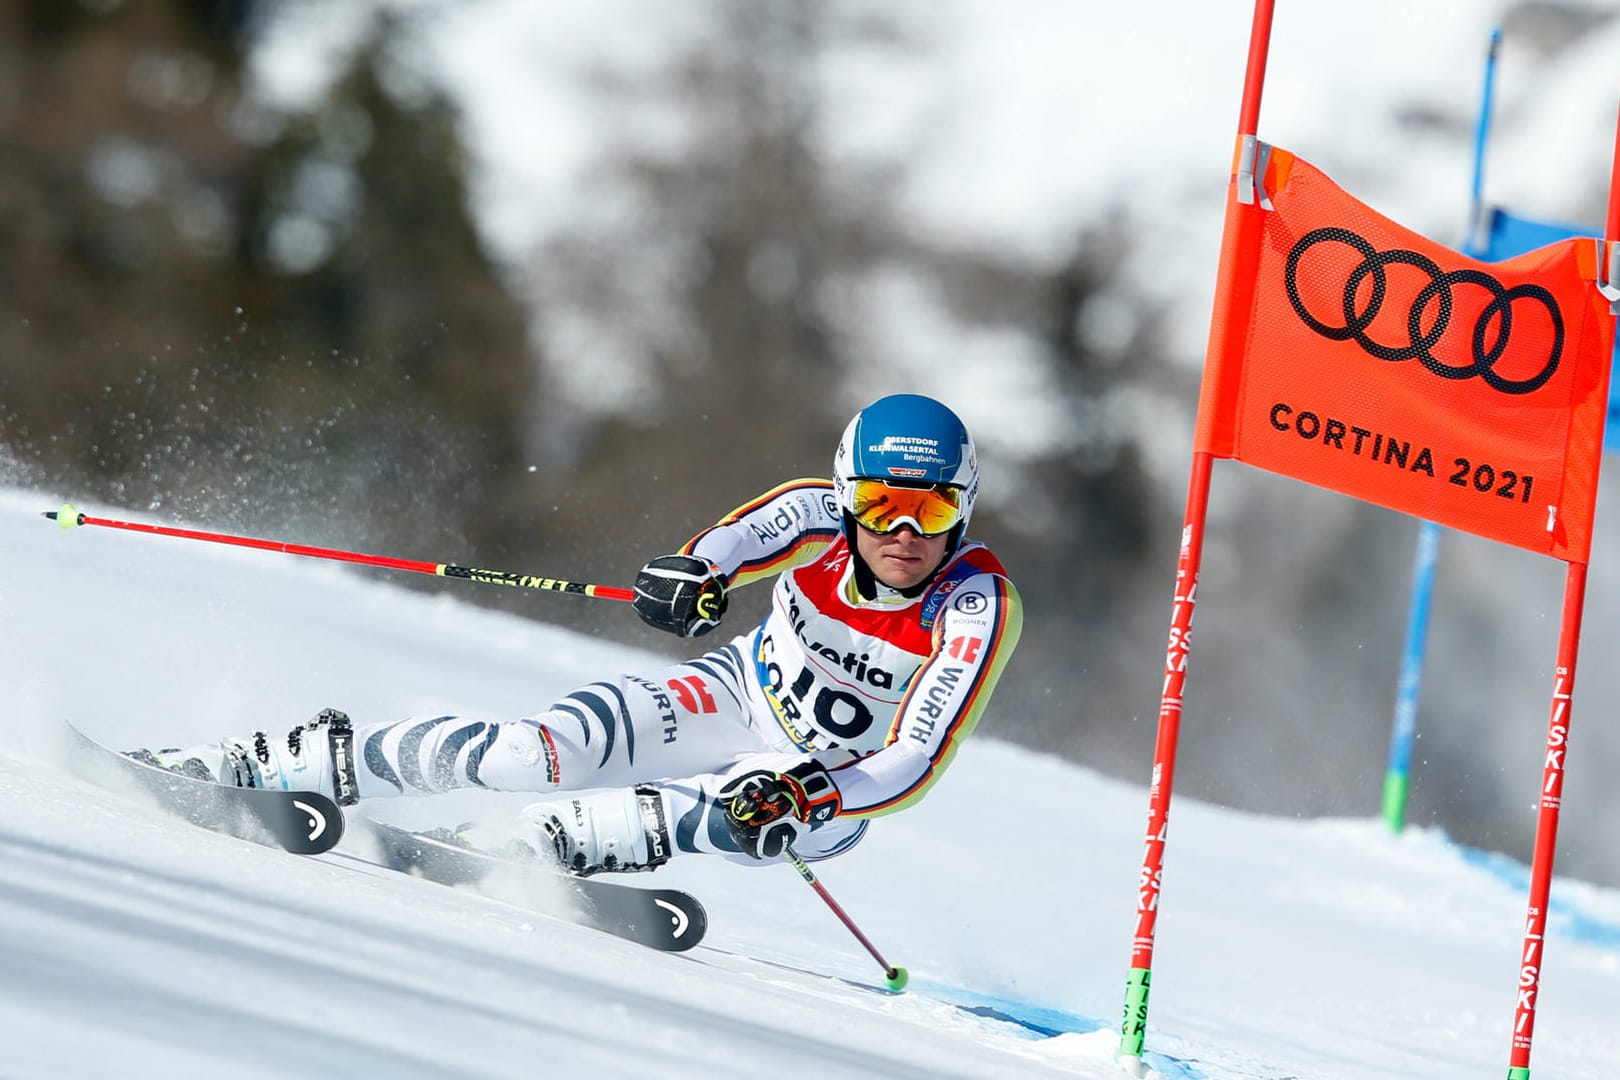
[(1352, 353)]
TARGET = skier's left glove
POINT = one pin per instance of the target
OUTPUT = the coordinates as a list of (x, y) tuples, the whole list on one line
[(682, 594), (767, 810)]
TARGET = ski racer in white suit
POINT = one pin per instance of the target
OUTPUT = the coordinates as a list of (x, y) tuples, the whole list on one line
[(887, 633)]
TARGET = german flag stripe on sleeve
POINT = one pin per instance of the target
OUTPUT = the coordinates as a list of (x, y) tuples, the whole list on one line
[(754, 504), (1002, 639), (807, 548), (799, 548)]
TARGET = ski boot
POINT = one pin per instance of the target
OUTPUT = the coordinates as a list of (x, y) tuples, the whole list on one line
[(316, 756), (616, 830)]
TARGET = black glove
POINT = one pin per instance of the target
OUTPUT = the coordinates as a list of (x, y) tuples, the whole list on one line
[(766, 811), (681, 594)]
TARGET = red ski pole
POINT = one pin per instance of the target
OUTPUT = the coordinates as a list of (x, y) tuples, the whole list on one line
[(67, 517), (894, 976)]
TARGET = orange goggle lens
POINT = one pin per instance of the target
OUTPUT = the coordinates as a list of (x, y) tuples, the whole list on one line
[(883, 507)]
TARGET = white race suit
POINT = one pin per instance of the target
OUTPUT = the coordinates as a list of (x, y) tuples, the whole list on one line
[(881, 689)]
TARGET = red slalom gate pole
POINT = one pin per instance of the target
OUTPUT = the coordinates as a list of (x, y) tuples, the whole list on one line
[(1551, 803), (68, 518), (1241, 233)]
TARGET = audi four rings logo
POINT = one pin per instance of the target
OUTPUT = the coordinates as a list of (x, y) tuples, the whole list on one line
[(1436, 295)]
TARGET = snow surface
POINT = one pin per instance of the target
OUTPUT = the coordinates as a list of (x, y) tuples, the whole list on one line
[(136, 945)]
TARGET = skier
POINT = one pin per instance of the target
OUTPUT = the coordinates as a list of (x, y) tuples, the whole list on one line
[(887, 632)]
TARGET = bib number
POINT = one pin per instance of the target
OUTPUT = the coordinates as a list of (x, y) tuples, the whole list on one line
[(838, 712)]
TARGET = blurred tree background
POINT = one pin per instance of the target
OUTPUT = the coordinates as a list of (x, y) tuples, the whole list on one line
[(247, 319), (212, 312), (220, 312)]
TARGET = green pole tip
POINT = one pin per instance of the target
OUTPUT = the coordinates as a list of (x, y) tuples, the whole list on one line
[(67, 517), (1395, 785), (896, 978)]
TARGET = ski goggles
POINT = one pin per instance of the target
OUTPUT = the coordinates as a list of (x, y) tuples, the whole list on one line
[(882, 507)]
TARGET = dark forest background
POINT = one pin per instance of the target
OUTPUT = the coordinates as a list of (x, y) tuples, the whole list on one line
[(220, 314)]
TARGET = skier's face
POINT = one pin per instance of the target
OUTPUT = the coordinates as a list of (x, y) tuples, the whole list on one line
[(900, 558)]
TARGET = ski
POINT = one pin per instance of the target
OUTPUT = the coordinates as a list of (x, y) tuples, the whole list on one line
[(665, 919), (309, 823), (302, 822)]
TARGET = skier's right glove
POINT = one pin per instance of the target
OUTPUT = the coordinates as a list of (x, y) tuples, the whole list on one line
[(682, 594)]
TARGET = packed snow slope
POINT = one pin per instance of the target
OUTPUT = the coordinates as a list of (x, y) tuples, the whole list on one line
[(138, 945)]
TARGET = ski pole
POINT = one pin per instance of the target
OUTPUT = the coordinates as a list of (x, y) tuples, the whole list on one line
[(894, 976), (67, 517)]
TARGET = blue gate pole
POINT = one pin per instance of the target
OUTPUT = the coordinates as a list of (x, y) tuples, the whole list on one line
[(1404, 733)]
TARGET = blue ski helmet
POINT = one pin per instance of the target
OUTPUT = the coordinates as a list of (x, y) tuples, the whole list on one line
[(911, 439)]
